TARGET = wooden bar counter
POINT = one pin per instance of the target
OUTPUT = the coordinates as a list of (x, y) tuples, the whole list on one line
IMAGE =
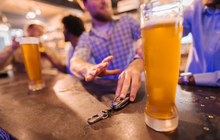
[(61, 110)]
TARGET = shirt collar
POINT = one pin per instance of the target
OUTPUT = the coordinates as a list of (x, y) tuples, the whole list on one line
[(93, 30)]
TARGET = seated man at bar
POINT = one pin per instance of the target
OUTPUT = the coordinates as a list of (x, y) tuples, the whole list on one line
[(109, 38), (13, 54), (202, 19), (72, 29)]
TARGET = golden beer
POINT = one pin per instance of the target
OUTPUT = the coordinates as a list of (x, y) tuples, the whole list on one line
[(161, 48), (31, 55)]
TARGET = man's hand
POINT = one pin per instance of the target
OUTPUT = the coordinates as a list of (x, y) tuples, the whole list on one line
[(15, 44), (100, 70), (191, 81), (130, 76)]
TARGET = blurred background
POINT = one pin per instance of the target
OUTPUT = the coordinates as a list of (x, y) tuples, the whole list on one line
[(15, 14)]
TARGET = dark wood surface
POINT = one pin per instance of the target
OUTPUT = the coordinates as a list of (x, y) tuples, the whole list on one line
[(61, 110)]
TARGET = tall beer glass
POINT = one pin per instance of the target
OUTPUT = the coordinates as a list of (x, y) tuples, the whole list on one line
[(31, 55), (161, 27)]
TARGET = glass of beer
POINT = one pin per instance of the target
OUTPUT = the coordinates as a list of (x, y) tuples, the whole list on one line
[(161, 29), (31, 55)]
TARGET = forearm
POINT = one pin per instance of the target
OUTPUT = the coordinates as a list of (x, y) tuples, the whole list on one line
[(208, 79), (202, 79), (79, 67), (57, 64), (138, 64), (5, 55)]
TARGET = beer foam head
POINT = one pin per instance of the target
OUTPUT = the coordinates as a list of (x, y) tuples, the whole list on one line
[(29, 40), (162, 21)]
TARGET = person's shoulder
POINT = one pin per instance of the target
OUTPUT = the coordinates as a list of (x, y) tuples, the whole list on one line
[(196, 5), (84, 36), (193, 10), (126, 16)]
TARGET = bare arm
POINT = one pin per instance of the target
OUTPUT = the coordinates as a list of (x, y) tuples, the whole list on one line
[(55, 62), (54, 57), (138, 48), (7, 53), (82, 69)]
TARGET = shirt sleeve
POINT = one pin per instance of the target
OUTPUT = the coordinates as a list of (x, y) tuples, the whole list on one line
[(187, 17), (83, 49), (135, 27), (208, 79)]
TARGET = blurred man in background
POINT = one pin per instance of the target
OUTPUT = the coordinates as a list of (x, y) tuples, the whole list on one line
[(73, 28), (202, 19), (13, 54), (109, 38)]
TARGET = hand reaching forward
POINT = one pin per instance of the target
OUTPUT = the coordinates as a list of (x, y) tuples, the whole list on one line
[(130, 76), (15, 43), (100, 70)]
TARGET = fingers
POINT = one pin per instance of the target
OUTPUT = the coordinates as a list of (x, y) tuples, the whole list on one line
[(135, 85), (120, 84), (124, 83), (96, 70), (110, 72), (108, 59), (92, 75), (101, 67)]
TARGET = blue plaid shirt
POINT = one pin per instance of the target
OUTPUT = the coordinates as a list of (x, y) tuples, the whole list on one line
[(120, 44)]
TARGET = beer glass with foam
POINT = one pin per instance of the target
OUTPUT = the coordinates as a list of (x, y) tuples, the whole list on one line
[(161, 29), (31, 55)]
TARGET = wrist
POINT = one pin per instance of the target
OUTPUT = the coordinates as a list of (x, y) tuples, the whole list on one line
[(13, 48), (85, 68)]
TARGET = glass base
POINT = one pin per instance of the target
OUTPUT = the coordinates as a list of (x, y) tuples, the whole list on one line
[(36, 87), (161, 125)]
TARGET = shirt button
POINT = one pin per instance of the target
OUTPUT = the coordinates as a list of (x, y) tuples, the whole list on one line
[(210, 50), (218, 32)]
